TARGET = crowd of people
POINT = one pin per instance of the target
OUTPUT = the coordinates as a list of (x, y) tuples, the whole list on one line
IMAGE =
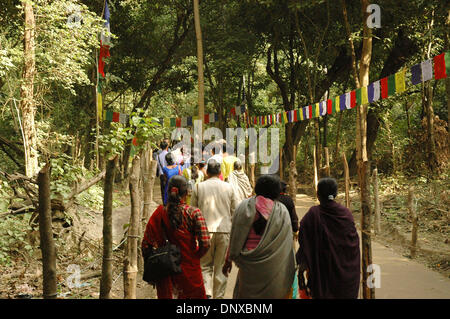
[(212, 213)]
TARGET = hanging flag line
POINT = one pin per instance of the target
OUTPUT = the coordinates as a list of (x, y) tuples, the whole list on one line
[(437, 68), (381, 89)]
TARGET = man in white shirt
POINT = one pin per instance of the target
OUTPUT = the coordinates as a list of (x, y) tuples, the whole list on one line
[(217, 202)]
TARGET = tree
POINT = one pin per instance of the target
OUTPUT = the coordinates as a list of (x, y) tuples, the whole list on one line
[(201, 89), (27, 103), (362, 158)]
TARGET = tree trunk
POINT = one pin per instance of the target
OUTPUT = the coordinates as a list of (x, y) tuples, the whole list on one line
[(362, 158), (377, 207), (131, 250), (327, 161), (198, 35), (46, 235), (347, 181), (293, 181), (27, 104), (107, 272), (338, 134), (316, 179), (427, 102), (414, 220)]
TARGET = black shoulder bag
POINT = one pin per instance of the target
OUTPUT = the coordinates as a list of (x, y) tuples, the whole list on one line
[(162, 261)]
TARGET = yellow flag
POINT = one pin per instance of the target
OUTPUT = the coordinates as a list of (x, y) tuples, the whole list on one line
[(400, 81), (337, 107), (301, 114), (166, 122), (99, 106), (317, 110), (364, 96)]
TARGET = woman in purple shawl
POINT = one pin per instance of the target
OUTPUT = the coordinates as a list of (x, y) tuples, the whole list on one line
[(329, 248)]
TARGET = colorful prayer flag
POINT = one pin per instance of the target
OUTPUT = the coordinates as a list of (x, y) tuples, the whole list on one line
[(178, 122), (391, 85), (323, 108), (206, 118), (439, 67), (184, 121), (329, 106), (116, 117), (342, 101), (384, 87), (400, 81), (167, 122), (364, 97), (352, 99), (427, 70), (348, 100), (373, 91), (172, 122), (416, 74), (109, 116), (99, 106), (336, 104), (358, 96), (123, 118)]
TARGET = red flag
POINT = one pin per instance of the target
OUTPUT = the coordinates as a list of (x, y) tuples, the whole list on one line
[(295, 116), (233, 111), (439, 67), (206, 118), (329, 107), (116, 117), (384, 88), (178, 122), (104, 53), (135, 143), (352, 99), (310, 111)]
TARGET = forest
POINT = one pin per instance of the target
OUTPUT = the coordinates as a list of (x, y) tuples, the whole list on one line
[(89, 88)]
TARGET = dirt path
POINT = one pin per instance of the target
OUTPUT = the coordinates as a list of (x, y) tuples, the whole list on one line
[(400, 277)]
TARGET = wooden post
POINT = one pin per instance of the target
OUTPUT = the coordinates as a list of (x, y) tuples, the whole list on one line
[(327, 161), (46, 235), (377, 201), (414, 219), (315, 168), (347, 181), (131, 251), (107, 273), (149, 180)]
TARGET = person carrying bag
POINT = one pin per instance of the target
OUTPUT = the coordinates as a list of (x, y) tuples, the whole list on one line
[(175, 239)]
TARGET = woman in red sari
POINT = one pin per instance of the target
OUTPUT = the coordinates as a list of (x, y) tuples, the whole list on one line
[(187, 229)]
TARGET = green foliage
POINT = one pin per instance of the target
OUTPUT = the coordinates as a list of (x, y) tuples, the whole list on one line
[(13, 242), (113, 143)]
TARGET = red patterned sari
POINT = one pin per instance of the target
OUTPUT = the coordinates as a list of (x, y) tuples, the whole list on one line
[(193, 239)]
